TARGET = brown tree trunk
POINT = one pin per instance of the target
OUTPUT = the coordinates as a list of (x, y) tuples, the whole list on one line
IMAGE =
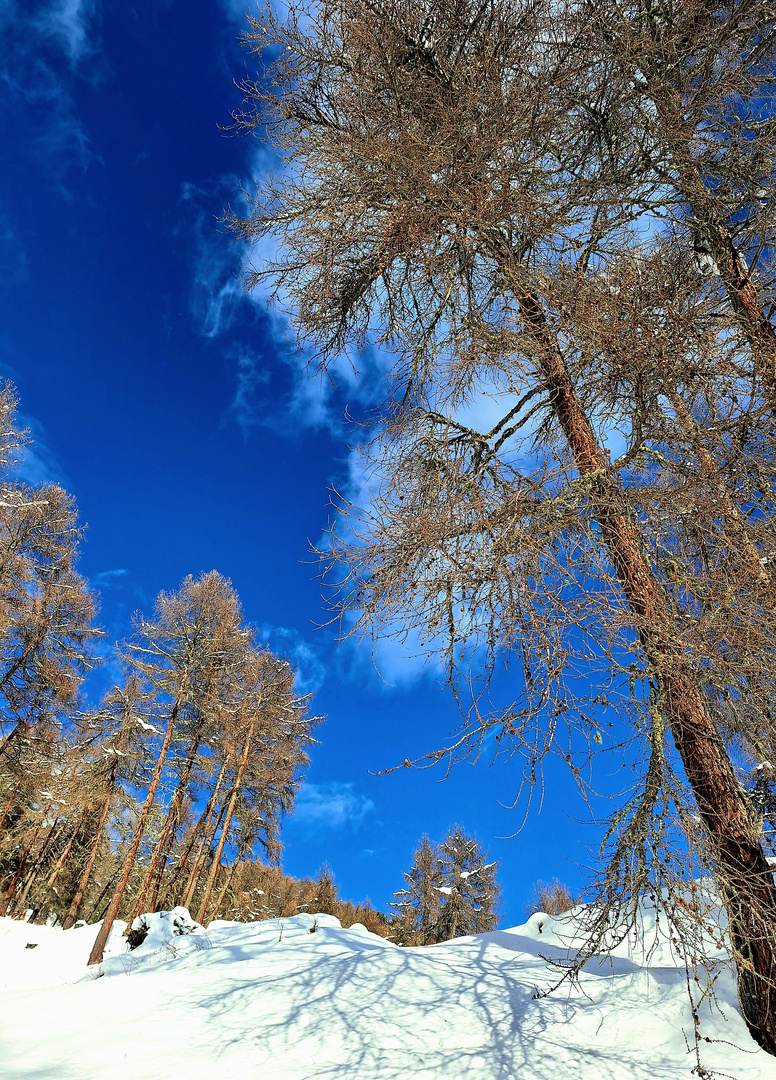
[(227, 822), (159, 857), (20, 898), (95, 957), (207, 834), (19, 871), (57, 870), (75, 903), (747, 881), (196, 833), (229, 880), (207, 840), (9, 804), (733, 271)]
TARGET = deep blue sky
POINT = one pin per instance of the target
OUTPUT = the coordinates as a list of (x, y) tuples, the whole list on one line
[(189, 432)]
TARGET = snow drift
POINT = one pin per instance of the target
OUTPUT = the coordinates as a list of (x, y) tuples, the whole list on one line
[(299, 998)]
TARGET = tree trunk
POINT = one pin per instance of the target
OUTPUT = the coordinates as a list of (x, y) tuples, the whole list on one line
[(207, 835), (159, 857), (95, 957), (9, 804), (57, 869), (746, 878), (242, 849), (19, 871), (227, 822), (733, 271), (75, 903)]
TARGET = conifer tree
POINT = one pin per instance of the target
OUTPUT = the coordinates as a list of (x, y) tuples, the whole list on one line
[(472, 176)]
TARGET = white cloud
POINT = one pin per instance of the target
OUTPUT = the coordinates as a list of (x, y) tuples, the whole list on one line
[(331, 805), (38, 464), (32, 85), (71, 24), (304, 656), (216, 291), (109, 578), (251, 376)]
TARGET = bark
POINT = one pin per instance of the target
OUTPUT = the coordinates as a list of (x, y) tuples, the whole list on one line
[(206, 835), (95, 957), (9, 804), (75, 903), (159, 857), (19, 871), (57, 870), (227, 822), (742, 868)]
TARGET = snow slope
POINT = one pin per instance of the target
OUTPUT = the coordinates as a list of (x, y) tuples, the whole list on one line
[(302, 998)]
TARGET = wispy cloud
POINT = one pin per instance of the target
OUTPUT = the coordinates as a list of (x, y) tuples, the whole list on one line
[(305, 657), (216, 291), (38, 464), (71, 24), (332, 805), (13, 258), (109, 578), (251, 376), (34, 39)]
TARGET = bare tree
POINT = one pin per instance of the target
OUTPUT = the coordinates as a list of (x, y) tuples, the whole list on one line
[(196, 630), (456, 192)]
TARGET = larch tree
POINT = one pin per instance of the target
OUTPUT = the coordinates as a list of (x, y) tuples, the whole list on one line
[(449, 891), (418, 902), (195, 632), (470, 893), (478, 187), (266, 739)]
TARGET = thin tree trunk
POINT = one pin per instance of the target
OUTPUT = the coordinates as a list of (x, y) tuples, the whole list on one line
[(106, 889), (95, 957), (204, 847), (733, 270), (159, 857), (75, 903), (227, 822), (191, 884), (20, 897), (242, 849), (19, 871), (196, 832), (743, 870), (9, 804), (57, 870)]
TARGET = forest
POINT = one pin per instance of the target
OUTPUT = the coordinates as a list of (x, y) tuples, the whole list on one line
[(172, 790), (549, 227)]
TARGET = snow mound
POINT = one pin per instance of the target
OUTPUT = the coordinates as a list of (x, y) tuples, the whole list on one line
[(304, 999), (156, 930)]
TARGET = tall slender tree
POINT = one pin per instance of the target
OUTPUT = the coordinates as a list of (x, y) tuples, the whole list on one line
[(452, 175), (195, 632)]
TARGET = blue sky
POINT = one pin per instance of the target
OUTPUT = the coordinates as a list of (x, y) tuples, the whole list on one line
[(187, 428)]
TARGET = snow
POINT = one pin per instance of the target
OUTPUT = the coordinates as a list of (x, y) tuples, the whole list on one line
[(302, 998)]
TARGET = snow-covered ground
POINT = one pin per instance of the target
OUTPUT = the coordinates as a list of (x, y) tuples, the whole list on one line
[(302, 998)]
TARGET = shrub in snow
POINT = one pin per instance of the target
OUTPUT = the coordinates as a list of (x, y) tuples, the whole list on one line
[(157, 929), (550, 897)]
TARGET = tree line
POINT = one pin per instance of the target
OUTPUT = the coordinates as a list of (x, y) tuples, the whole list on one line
[(449, 891), (185, 768), (563, 211)]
